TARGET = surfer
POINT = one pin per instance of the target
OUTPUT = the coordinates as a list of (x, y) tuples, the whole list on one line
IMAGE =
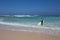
[(40, 23)]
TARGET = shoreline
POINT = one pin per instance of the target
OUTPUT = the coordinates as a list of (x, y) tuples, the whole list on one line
[(25, 35), (30, 29), (8, 33)]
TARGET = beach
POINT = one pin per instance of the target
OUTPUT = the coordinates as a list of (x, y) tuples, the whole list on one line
[(25, 28), (29, 20), (24, 35)]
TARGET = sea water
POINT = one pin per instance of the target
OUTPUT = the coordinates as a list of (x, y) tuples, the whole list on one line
[(51, 23)]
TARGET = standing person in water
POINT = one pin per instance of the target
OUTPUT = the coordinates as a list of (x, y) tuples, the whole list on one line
[(40, 23)]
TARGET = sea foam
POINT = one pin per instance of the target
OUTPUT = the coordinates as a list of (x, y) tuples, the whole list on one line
[(49, 30), (18, 24), (25, 15)]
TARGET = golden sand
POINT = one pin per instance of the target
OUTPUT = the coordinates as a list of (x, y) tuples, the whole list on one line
[(25, 35)]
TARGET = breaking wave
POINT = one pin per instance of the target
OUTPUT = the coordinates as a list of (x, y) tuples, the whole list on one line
[(31, 28), (24, 25), (25, 15), (20, 15)]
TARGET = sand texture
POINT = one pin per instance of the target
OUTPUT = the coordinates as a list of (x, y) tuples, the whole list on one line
[(25, 35)]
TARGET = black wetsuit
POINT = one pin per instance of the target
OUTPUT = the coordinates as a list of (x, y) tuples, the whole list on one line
[(41, 22)]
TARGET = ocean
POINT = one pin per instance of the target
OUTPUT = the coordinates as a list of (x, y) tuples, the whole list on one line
[(52, 23), (49, 21)]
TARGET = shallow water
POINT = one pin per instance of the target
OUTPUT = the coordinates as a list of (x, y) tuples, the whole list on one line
[(49, 21), (29, 22)]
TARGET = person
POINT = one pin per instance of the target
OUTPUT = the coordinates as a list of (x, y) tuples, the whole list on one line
[(40, 23)]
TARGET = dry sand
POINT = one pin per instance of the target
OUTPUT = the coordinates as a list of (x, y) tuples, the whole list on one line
[(25, 35)]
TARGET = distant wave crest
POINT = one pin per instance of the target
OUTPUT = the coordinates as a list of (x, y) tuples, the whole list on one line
[(21, 15), (25, 15)]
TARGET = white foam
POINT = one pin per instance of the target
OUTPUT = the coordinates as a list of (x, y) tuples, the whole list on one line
[(21, 30), (50, 30), (25, 15), (16, 24)]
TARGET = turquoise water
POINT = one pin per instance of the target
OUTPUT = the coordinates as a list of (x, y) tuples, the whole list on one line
[(49, 21), (51, 24)]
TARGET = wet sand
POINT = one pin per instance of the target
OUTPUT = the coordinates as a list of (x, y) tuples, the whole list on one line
[(25, 35)]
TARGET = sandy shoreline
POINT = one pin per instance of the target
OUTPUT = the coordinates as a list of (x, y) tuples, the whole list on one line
[(25, 35), (21, 35)]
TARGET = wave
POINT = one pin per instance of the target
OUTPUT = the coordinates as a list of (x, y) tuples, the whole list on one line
[(15, 24), (20, 15), (31, 28), (25, 15), (25, 25)]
